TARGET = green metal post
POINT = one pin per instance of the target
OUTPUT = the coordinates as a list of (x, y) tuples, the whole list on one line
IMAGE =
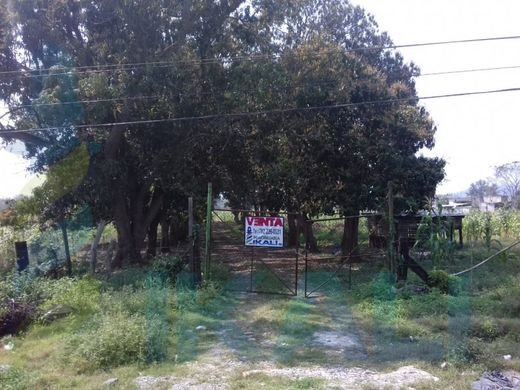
[(209, 211), (391, 229)]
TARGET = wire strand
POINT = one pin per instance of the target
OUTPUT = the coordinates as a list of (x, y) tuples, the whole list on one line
[(265, 112), (307, 85), (98, 68)]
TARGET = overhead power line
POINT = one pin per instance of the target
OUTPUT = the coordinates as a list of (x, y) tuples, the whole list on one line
[(137, 98), (80, 102), (119, 66), (267, 112), (469, 70), (447, 72)]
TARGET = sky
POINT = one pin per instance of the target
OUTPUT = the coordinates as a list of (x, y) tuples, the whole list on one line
[(475, 133)]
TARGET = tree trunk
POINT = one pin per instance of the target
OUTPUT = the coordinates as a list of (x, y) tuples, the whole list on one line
[(126, 251), (133, 227), (94, 247), (178, 231), (152, 239), (349, 242), (165, 236), (112, 247), (293, 236), (306, 227)]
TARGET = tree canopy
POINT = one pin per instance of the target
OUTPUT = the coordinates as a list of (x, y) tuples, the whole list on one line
[(291, 104)]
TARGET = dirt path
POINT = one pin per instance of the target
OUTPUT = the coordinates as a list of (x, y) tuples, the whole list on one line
[(277, 341), (248, 340)]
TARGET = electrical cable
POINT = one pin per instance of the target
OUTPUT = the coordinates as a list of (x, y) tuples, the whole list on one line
[(268, 112)]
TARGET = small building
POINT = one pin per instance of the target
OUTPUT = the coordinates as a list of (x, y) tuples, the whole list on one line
[(457, 206), (492, 203)]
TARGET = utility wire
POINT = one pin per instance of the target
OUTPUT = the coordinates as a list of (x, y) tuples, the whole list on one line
[(266, 112), (307, 85), (497, 68), (469, 70), (80, 102), (486, 260), (98, 68)]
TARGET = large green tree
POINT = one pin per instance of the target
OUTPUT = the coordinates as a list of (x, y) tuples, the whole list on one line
[(305, 68)]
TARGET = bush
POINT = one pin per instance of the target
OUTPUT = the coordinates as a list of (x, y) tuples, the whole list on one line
[(132, 276), (110, 341), (126, 299), (14, 316), (26, 287), (201, 298), (445, 282), (20, 295), (81, 295), (169, 266), (473, 351), (485, 329)]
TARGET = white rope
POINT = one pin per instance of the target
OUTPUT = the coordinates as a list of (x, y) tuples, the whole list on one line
[(485, 261)]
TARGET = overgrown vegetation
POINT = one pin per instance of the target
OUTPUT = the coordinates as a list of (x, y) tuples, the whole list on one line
[(469, 320), (143, 318)]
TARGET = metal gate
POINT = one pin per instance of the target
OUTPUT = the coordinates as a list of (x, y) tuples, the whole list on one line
[(328, 271), (277, 270), (250, 269)]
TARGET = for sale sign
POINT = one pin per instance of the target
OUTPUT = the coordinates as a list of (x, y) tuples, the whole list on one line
[(264, 232)]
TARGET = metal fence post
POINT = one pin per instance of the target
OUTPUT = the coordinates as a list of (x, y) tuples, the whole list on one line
[(296, 276), (209, 212), (306, 274), (66, 245)]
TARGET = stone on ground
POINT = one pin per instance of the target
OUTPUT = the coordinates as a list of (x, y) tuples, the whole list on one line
[(497, 380)]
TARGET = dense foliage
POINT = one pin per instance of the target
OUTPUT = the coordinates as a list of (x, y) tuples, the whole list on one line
[(282, 105)]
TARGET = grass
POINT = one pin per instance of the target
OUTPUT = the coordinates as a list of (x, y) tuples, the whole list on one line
[(138, 323), (472, 329)]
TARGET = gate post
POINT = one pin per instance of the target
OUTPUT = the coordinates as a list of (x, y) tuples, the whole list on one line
[(22, 255), (209, 213)]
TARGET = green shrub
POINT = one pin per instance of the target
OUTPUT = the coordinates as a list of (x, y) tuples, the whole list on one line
[(132, 276), (468, 351), (509, 327), (485, 329), (433, 303), (20, 296), (110, 341), (445, 282), (81, 295), (507, 297), (127, 299), (157, 338), (26, 288), (169, 266), (157, 328)]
